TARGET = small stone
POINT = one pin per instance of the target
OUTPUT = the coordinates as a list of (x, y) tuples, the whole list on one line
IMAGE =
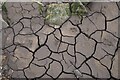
[(78, 73)]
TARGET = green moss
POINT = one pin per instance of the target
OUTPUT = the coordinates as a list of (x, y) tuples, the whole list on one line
[(57, 13), (40, 8), (78, 9)]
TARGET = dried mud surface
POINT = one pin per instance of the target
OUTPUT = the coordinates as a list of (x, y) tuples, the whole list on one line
[(84, 48)]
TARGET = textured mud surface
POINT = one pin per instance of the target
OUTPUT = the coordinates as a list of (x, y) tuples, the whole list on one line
[(84, 48)]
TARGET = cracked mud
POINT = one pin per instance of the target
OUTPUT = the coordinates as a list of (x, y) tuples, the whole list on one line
[(79, 48)]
